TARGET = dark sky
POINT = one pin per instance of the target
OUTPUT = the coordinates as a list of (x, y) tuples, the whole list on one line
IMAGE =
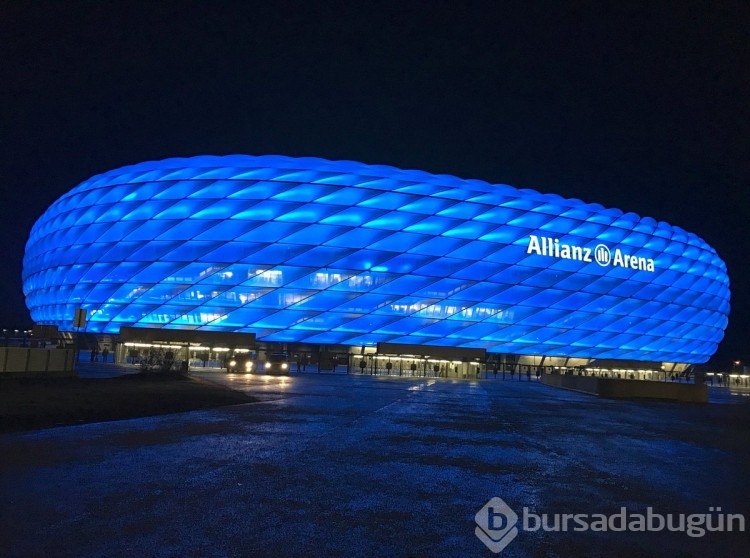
[(632, 105)]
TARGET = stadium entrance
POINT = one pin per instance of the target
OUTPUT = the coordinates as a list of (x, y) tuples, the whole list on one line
[(392, 359)]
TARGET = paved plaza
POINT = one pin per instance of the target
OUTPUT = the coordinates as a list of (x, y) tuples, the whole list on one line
[(327, 465)]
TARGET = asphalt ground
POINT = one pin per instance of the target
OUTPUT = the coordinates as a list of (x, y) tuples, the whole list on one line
[(325, 465), (104, 392)]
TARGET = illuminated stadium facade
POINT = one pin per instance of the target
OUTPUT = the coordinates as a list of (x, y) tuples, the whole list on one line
[(342, 253)]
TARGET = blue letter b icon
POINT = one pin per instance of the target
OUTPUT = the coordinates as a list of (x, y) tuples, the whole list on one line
[(496, 524), (496, 521)]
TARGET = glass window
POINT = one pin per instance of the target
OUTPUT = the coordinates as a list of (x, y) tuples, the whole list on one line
[(281, 298), (287, 318), (442, 288), (323, 300), (236, 296), (244, 317), (128, 292)]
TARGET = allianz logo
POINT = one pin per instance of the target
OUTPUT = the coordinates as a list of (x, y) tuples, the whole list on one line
[(601, 254)]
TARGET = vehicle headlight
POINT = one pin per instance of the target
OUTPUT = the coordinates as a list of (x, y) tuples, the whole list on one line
[(284, 366), (232, 363), (268, 365), (248, 366)]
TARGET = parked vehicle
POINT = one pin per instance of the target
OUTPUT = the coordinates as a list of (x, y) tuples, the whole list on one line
[(241, 363), (277, 363)]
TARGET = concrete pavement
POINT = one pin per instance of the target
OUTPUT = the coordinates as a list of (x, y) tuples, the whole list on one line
[(328, 465)]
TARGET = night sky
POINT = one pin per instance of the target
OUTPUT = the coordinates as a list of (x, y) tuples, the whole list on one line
[(640, 107)]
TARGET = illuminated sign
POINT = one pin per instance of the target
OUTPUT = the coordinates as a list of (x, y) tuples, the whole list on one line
[(601, 253)]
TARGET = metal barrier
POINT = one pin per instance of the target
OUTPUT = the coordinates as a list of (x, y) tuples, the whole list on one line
[(28, 359)]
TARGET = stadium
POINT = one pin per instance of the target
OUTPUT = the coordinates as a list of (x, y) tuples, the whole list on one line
[(306, 255)]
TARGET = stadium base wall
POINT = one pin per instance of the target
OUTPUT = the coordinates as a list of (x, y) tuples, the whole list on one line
[(628, 389)]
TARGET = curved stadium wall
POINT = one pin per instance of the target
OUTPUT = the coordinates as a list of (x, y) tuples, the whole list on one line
[(338, 252)]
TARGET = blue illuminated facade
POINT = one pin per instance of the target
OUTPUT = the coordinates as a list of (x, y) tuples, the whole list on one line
[(338, 252)]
